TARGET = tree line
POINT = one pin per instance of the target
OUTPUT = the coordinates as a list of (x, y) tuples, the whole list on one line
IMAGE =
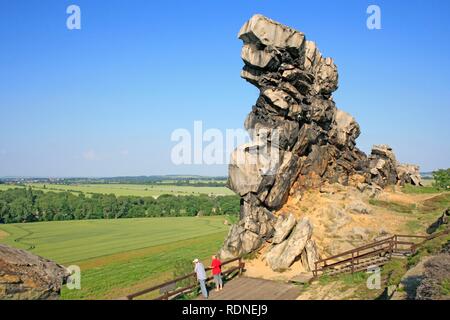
[(28, 205), (194, 181)]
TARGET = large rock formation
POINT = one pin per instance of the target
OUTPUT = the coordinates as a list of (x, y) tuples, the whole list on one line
[(24, 276), (300, 141)]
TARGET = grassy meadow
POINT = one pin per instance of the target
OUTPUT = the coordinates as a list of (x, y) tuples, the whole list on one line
[(139, 190), (424, 213), (6, 187), (118, 257)]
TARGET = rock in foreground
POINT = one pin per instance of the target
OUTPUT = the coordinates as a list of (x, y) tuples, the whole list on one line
[(434, 285), (24, 276)]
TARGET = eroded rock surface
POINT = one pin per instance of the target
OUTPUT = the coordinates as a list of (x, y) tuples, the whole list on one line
[(301, 140), (434, 285), (25, 276), (283, 227), (283, 255)]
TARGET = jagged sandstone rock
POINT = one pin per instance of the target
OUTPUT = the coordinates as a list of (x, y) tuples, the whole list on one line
[(409, 174), (358, 207), (283, 227), (246, 171), (282, 255), (255, 226), (383, 166), (310, 255), (385, 170), (258, 58), (306, 142), (344, 130), (263, 31), (24, 276)]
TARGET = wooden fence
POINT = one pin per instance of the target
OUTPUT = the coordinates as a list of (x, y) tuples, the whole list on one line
[(170, 289)]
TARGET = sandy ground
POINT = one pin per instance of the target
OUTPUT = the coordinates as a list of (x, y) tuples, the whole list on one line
[(397, 196), (331, 291), (334, 231), (257, 268), (336, 228)]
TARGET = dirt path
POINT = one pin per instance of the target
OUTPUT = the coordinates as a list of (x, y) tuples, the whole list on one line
[(406, 198), (330, 291)]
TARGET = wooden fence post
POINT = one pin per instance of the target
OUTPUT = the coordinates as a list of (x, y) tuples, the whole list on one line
[(353, 262)]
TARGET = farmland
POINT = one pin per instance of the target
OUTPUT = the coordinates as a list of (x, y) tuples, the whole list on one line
[(118, 257), (139, 190), (6, 187)]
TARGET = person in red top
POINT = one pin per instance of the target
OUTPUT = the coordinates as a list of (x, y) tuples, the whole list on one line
[(217, 272)]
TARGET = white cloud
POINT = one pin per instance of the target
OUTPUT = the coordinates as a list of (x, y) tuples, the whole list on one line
[(124, 152), (90, 155)]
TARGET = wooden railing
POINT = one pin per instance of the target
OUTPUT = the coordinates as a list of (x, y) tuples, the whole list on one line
[(385, 247), (433, 236), (170, 288)]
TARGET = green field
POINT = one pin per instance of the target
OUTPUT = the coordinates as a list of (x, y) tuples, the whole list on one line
[(6, 187), (138, 190), (118, 257)]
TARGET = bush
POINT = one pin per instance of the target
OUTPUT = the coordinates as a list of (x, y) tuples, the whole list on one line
[(442, 179)]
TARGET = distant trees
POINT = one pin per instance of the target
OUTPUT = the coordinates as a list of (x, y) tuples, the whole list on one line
[(28, 205), (194, 181), (442, 179)]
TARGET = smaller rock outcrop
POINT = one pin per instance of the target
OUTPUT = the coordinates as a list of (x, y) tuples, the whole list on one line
[(25, 276), (435, 279), (409, 174), (385, 170), (282, 255), (383, 166)]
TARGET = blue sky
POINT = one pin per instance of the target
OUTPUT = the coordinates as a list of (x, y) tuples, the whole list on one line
[(104, 100)]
